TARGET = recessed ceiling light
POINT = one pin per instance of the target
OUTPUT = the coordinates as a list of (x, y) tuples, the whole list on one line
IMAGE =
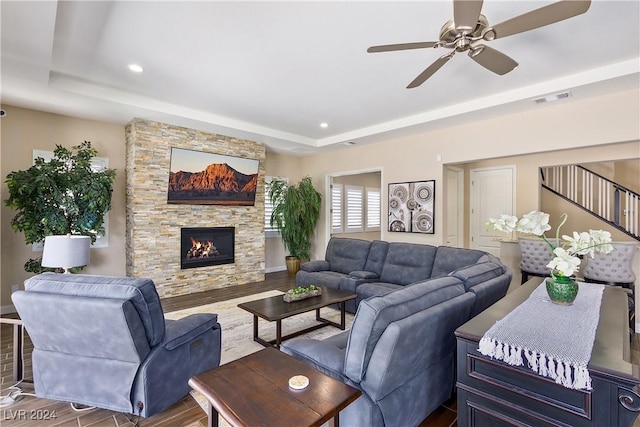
[(136, 68), (324, 125)]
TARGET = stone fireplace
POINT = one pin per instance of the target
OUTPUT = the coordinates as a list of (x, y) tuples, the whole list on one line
[(205, 246), (154, 227)]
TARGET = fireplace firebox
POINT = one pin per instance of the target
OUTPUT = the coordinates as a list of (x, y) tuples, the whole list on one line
[(205, 246)]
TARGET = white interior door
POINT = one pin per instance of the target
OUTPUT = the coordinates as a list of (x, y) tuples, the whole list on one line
[(492, 194), (455, 206)]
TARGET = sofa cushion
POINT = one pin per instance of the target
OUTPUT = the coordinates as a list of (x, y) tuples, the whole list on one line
[(376, 313), (376, 257), (449, 259), (346, 255), (325, 355), (141, 292), (407, 263)]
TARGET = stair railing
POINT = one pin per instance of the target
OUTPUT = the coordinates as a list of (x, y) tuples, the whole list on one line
[(603, 198)]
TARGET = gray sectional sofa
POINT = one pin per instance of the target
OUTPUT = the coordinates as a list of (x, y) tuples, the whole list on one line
[(400, 350), (371, 268)]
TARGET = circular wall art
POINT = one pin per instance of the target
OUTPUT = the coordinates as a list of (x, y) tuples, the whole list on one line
[(411, 207)]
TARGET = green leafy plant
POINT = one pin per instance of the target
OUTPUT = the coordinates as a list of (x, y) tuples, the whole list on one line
[(296, 210), (299, 290), (61, 196)]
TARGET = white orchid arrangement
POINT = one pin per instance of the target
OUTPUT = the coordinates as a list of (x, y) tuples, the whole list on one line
[(568, 251)]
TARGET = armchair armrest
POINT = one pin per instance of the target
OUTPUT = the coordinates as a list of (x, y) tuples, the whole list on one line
[(355, 279), (474, 274), (316, 265), (182, 331), (367, 275)]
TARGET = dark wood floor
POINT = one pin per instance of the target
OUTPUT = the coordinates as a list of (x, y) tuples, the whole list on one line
[(30, 411), (184, 413)]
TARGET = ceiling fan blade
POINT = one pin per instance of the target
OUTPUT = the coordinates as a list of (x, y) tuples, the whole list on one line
[(492, 59), (431, 69), (466, 14), (537, 18), (400, 46)]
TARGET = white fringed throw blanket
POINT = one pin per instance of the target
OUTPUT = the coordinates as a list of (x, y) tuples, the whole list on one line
[(554, 340)]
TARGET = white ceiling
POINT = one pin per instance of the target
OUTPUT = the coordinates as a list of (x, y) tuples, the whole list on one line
[(273, 71)]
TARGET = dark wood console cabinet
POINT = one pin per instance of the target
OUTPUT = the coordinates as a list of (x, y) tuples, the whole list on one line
[(493, 393)]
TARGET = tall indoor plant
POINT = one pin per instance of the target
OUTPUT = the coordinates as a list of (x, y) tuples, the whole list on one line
[(296, 209), (61, 196)]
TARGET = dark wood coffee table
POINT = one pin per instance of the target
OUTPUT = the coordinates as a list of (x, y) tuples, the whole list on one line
[(276, 309), (254, 390)]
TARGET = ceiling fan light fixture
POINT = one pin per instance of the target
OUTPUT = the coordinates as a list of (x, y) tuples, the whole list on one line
[(552, 98)]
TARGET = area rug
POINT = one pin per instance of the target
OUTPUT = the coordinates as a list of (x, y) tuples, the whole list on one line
[(237, 328)]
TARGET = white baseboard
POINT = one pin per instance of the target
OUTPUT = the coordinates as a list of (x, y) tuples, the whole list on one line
[(6, 309), (274, 269)]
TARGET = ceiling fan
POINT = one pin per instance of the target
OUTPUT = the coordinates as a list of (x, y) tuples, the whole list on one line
[(468, 30)]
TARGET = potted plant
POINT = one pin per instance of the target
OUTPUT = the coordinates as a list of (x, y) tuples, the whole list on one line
[(296, 209), (61, 196), (568, 251)]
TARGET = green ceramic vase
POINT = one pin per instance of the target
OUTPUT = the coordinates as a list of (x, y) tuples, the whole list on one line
[(561, 289)]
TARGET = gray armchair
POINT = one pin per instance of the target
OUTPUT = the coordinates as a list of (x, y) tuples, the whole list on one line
[(399, 352), (536, 254), (103, 341), (615, 269)]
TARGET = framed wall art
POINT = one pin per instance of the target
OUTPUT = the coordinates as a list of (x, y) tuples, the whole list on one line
[(200, 178), (411, 206)]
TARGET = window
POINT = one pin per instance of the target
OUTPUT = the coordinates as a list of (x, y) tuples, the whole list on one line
[(354, 205), (336, 208), (268, 207), (374, 209)]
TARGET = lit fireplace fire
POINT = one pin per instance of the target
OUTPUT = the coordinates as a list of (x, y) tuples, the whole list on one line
[(206, 246), (202, 249)]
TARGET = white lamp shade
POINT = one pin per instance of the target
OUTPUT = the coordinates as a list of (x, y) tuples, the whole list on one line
[(66, 251)]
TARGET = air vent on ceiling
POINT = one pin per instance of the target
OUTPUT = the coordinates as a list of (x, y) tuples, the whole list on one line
[(551, 98)]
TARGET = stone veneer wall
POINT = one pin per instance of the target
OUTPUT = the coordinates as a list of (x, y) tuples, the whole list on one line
[(153, 225)]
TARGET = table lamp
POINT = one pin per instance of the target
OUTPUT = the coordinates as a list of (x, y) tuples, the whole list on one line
[(66, 251)]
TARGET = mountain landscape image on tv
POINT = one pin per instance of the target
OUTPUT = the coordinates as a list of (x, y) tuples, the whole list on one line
[(201, 178)]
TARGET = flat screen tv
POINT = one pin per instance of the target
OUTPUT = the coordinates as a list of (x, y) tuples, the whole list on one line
[(201, 178)]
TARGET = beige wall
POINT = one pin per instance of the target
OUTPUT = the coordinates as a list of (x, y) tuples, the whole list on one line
[(577, 123), (25, 130), (290, 167)]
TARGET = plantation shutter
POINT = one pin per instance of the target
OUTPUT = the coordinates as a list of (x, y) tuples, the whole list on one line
[(336, 208), (354, 205), (268, 206), (374, 210)]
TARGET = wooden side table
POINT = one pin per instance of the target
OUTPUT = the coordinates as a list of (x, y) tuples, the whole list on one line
[(491, 392), (254, 390)]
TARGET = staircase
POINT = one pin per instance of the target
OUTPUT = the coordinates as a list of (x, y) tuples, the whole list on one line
[(601, 197)]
